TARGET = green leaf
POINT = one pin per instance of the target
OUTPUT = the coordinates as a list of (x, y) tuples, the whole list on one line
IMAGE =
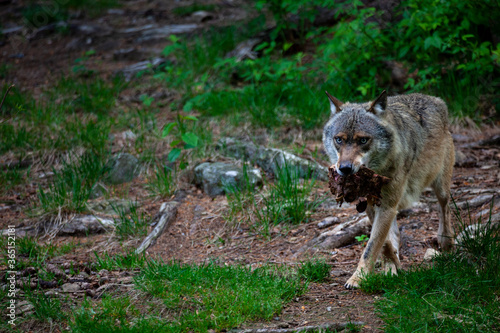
[(188, 106), (403, 51), (174, 154), (167, 129), (190, 118), (175, 143), (190, 139)]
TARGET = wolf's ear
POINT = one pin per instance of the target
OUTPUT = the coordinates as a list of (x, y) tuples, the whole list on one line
[(378, 106), (335, 104)]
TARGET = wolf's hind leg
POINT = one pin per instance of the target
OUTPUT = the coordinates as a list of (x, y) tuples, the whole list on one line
[(441, 187), (391, 249)]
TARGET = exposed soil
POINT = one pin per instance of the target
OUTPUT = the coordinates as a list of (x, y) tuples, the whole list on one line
[(201, 231)]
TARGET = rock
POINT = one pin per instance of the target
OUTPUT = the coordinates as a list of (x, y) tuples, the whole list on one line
[(85, 224), (103, 280), (216, 177), (52, 293), (430, 253), (130, 71), (98, 190), (70, 287), (58, 273), (271, 159), (461, 159), (47, 284), (23, 307), (124, 168), (112, 206)]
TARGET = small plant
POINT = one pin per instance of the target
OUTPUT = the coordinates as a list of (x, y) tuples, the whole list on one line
[(183, 138), (362, 239), (314, 270), (163, 184), (130, 223), (287, 201)]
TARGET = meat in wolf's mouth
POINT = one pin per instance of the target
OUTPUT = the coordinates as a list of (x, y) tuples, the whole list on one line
[(363, 185)]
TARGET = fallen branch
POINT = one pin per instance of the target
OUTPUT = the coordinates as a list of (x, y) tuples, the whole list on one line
[(168, 212), (329, 327), (475, 202), (343, 234)]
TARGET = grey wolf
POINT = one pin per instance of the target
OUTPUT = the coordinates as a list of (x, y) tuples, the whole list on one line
[(405, 138)]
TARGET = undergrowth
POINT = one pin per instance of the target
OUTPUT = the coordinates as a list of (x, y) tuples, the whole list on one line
[(458, 292)]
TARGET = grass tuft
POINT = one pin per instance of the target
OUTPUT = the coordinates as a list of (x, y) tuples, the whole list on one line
[(314, 270), (72, 185)]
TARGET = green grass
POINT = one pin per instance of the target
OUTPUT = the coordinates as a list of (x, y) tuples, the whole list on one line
[(30, 252), (130, 223), (46, 308), (217, 297), (63, 117), (128, 260), (72, 186), (188, 297), (114, 314), (457, 292), (10, 178), (314, 270), (287, 200), (164, 182)]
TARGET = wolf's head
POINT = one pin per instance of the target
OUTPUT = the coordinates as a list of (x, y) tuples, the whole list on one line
[(356, 135)]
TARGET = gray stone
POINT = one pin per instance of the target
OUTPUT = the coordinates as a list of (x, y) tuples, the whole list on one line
[(124, 168), (460, 158), (112, 206), (216, 177), (98, 190), (271, 159), (70, 287), (85, 225), (430, 253)]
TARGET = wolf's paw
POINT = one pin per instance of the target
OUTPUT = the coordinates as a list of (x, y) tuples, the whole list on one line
[(353, 282), (446, 243), (390, 268)]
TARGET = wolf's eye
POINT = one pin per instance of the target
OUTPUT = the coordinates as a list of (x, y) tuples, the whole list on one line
[(338, 140), (363, 141)]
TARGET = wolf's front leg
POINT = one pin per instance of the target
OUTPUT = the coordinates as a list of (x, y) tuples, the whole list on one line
[(383, 220)]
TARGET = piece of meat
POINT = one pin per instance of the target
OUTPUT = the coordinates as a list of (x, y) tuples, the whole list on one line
[(363, 185)]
